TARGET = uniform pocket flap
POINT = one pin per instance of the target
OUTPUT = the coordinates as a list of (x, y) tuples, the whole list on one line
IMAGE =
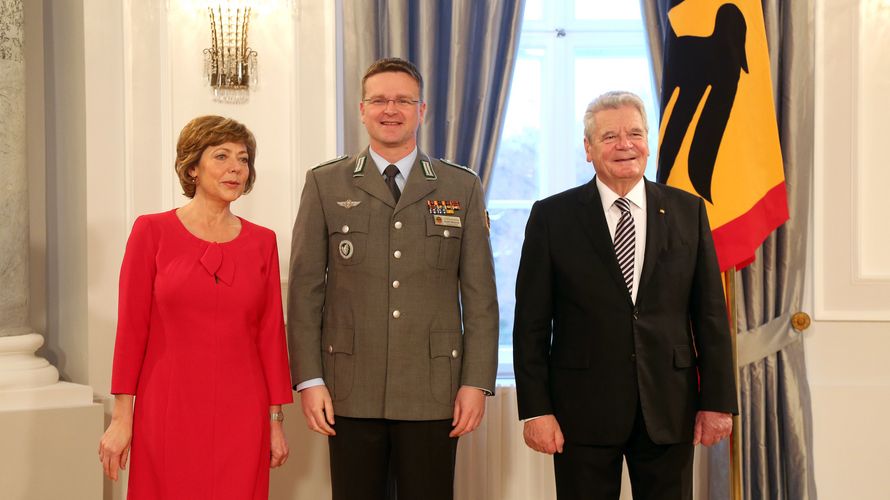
[(682, 356), (445, 344), (443, 228), (354, 223), (337, 340)]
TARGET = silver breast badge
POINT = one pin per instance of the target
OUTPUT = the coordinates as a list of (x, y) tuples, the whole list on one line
[(346, 249)]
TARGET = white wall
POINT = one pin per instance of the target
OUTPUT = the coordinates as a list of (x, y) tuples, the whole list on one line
[(848, 345)]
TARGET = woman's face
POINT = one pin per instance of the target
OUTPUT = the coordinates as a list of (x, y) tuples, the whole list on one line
[(222, 172)]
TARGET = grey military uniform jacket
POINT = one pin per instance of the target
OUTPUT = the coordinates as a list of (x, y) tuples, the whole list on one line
[(393, 306)]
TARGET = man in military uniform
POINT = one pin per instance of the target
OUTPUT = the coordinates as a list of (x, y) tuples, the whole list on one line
[(392, 308)]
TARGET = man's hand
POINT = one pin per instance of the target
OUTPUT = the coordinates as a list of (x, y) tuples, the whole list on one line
[(318, 409), (543, 434), (711, 427), (469, 407)]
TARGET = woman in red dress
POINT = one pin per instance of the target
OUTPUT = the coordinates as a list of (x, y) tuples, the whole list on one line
[(200, 360)]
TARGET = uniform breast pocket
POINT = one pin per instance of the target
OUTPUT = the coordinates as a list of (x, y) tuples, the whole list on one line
[(348, 240), (442, 245)]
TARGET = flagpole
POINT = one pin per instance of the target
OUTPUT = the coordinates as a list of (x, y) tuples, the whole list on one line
[(735, 443)]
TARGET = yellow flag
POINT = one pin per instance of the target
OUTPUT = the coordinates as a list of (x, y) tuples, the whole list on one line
[(718, 135)]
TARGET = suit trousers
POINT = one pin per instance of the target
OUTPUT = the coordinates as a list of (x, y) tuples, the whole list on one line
[(379, 459), (594, 472)]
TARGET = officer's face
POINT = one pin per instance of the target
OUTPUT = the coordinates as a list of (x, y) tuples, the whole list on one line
[(392, 125), (618, 147)]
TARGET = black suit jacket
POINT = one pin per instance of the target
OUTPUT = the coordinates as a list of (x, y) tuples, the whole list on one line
[(586, 353)]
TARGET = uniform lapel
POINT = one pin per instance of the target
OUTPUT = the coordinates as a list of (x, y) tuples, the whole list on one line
[(593, 221), (656, 232), (418, 185), (366, 177)]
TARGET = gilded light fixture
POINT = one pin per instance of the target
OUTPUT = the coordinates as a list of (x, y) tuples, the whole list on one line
[(230, 65)]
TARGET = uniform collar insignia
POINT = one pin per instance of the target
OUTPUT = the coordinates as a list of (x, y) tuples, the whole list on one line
[(428, 171), (359, 170)]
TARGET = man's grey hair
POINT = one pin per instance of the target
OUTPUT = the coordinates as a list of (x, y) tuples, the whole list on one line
[(614, 99)]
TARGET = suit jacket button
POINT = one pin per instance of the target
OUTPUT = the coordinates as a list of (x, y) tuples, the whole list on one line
[(344, 229), (636, 313), (398, 224), (454, 354), (633, 358), (396, 314)]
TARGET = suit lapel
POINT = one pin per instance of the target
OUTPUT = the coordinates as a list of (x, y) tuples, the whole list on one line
[(593, 221), (417, 185), (656, 232), (368, 179)]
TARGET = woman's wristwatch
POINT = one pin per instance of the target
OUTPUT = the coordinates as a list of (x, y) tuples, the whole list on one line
[(277, 415)]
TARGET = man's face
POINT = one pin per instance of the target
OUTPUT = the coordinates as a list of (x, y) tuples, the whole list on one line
[(390, 124), (618, 147)]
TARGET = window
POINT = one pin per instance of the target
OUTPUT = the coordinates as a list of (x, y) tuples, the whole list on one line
[(570, 51)]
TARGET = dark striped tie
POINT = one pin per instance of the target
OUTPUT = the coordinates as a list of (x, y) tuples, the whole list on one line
[(625, 242), (390, 172)]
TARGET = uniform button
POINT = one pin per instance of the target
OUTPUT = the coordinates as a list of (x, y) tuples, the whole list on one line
[(344, 229), (446, 233), (396, 314), (397, 254), (454, 353), (398, 224), (395, 284), (330, 348)]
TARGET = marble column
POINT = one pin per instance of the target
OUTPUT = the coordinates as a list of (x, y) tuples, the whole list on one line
[(19, 367)]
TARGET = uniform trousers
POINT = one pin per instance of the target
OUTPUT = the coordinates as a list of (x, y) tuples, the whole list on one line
[(371, 458), (594, 472)]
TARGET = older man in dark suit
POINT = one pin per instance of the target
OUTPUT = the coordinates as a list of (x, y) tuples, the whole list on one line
[(621, 341)]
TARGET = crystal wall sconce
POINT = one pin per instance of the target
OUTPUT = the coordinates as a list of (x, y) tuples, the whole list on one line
[(230, 65)]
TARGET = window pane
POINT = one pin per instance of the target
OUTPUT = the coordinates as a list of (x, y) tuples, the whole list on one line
[(607, 9), (515, 174), (534, 10), (507, 233)]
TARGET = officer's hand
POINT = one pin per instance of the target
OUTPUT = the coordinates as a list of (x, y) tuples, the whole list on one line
[(543, 434), (318, 409), (711, 427), (469, 407)]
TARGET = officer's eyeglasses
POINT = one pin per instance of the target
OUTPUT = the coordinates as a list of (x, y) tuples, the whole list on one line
[(401, 102)]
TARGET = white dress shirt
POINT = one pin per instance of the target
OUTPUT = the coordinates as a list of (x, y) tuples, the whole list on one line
[(637, 198)]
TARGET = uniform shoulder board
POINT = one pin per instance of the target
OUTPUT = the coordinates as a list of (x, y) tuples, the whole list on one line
[(329, 162), (455, 165)]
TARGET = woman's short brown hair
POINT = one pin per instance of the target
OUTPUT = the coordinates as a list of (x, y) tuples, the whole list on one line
[(204, 132)]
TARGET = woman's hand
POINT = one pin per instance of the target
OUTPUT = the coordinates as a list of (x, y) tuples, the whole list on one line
[(280, 450), (114, 447)]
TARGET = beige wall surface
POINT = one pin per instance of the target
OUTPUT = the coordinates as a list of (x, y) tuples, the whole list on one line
[(848, 344), (54, 453)]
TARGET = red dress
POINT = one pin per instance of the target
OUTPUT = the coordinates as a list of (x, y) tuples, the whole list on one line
[(201, 344)]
